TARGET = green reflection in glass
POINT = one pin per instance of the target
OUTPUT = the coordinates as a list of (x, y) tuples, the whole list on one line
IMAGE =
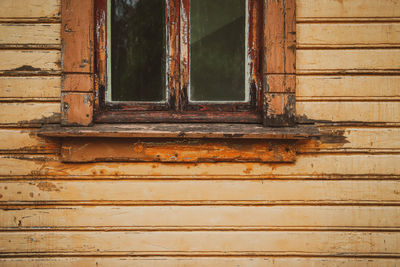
[(138, 50), (218, 50)]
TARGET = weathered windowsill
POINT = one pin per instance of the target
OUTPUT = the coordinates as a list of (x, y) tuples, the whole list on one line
[(179, 142)]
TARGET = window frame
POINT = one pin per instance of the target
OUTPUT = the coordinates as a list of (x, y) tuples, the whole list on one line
[(177, 108), (84, 30)]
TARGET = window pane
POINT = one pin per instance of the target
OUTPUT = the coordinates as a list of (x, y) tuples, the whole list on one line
[(137, 50), (218, 50)]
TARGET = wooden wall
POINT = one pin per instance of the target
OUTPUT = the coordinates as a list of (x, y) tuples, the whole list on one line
[(338, 205)]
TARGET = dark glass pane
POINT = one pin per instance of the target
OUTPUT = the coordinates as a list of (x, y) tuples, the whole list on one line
[(218, 50), (138, 50)]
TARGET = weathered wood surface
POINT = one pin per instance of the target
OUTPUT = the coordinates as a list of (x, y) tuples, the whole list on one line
[(201, 217), (14, 62), (32, 10), (20, 114), (198, 243), (199, 261), (193, 130), (357, 111), (340, 61), (30, 35), (25, 141), (191, 192), (312, 166), (348, 35), (350, 88), (336, 10), (30, 88), (101, 150)]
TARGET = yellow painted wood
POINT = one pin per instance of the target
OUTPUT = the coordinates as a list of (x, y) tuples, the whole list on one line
[(198, 261), (192, 192), (347, 87), (348, 60), (14, 61), (29, 113), (203, 217), (25, 141), (348, 34), (347, 9), (324, 166), (34, 88), (350, 111), (32, 10), (30, 34), (203, 243), (354, 140)]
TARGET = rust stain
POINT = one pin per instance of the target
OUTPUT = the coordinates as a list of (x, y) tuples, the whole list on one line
[(47, 186)]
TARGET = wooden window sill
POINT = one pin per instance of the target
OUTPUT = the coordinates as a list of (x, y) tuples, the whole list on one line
[(179, 142)]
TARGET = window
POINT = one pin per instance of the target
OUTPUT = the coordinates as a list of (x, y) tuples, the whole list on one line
[(180, 61), (243, 73)]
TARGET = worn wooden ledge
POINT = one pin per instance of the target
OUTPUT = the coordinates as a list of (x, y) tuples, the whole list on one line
[(187, 131)]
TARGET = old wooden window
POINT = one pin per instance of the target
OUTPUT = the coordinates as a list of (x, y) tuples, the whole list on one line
[(180, 61), (171, 77)]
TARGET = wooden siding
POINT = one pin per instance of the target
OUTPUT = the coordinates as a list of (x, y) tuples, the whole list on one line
[(337, 205)]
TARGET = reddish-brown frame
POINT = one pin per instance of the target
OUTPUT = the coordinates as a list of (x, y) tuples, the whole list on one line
[(272, 44)]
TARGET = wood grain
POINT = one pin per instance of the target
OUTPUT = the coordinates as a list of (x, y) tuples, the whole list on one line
[(144, 218), (25, 141), (30, 35), (199, 261), (29, 61), (314, 166), (30, 88), (20, 114), (32, 10), (200, 192), (192, 243)]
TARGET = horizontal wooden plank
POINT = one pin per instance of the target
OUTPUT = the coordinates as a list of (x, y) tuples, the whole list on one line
[(185, 130), (117, 150), (29, 61), (32, 10), (348, 35), (202, 243), (200, 192), (347, 87), (202, 217), (348, 61), (30, 88), (314, 9), (25, 141), (353, 140), (29, 113), (349, 111), (30, 35), (198, 261), (322, 166)]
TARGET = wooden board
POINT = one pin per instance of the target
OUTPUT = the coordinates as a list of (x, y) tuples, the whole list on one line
[(198, 261), (162, 150), (359, 111), (313, 166), (30, 88), (347, 9), (348, 87), (339, 61), (348, 35), (19, 114), (25, 141), (30, 36), (201, 243), (353, 140), (29, 61), (102, 218), (200, 192), (32, 10)]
